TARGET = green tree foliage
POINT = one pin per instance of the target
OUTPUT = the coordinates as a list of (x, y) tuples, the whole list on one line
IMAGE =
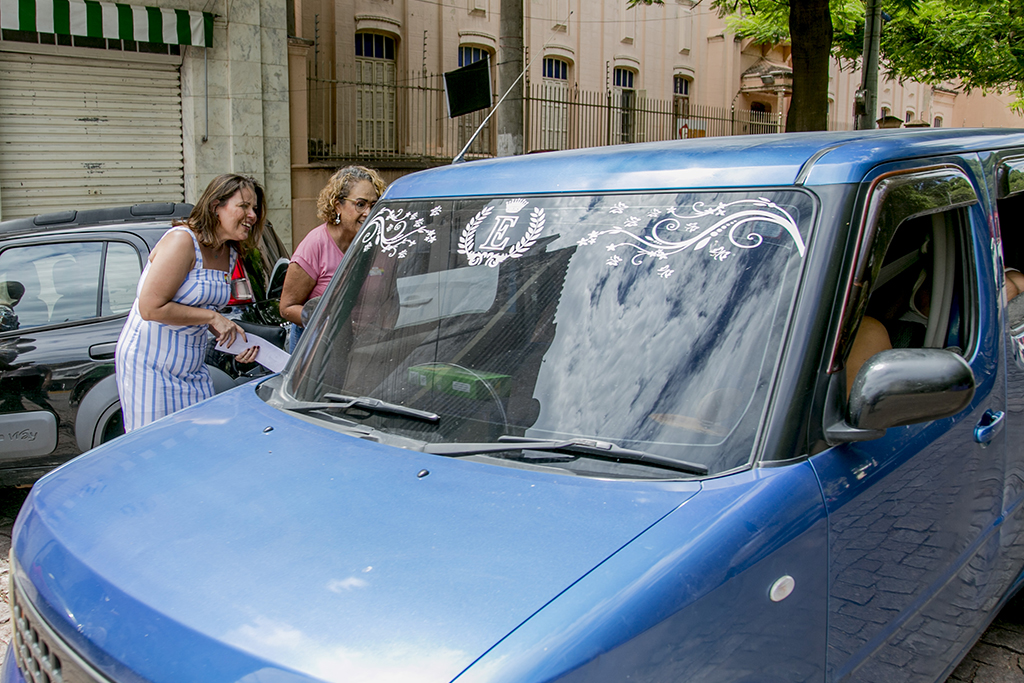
[(809, 26), (979, 43), (767, 22)]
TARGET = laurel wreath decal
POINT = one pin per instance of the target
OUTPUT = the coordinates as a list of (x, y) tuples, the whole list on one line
[(518, 250), (468, 237)]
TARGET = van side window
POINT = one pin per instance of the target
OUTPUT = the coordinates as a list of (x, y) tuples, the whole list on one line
[(911, 285), (919, 298), (1010, 210)]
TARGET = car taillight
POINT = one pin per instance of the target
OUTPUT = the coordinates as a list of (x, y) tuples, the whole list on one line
[(241, 291)]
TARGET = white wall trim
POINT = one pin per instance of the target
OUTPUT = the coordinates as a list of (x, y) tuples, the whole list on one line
[(90, 53)]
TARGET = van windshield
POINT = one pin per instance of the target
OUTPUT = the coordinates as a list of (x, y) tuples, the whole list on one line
[(653, 322)]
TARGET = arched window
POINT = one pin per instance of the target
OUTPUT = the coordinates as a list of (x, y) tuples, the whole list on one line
[(681, 96), (937, 123), (375, 46), (625, 98), (471, 55), (760, 118), (556, 69), (623, 78), (376, 92), (908, 116), (468, 123), (554, 105)]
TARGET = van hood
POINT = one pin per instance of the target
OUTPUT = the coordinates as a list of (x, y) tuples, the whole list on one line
[(235, 542)]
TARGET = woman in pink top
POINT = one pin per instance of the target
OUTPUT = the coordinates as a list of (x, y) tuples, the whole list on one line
[(343, 205)]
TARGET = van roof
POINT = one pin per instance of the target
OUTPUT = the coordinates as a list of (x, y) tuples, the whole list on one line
[(721, 162)]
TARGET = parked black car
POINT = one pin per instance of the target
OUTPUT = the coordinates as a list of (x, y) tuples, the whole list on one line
[(67, 283)]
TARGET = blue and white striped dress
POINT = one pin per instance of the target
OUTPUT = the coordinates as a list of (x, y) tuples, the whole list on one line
[(161, 368)]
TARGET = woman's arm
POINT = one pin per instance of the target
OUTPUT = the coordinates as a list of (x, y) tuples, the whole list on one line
[(170, 263), (298, 285)]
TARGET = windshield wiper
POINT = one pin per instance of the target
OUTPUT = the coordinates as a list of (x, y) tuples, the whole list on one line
[(372, 405), (587, 447)]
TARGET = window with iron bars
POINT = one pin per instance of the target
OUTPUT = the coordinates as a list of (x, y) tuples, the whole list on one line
[(375, 93), (554, 111), (624, 101), (681, 96), (468, 123)]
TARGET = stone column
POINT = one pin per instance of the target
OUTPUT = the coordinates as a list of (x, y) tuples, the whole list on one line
[(235, 105)]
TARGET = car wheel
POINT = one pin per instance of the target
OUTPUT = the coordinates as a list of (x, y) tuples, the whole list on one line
[(99, 415), (110, 426)]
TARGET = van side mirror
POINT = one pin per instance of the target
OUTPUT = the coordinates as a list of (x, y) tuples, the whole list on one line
[(901, 387)]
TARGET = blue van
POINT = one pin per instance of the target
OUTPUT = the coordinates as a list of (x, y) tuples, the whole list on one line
[(732, 409)]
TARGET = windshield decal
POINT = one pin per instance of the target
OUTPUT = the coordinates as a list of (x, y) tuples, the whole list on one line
[(732, 216), (390, 229), (494, 249)]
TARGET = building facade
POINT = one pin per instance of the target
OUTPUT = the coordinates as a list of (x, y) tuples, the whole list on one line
[(104, 104), (367, 83)]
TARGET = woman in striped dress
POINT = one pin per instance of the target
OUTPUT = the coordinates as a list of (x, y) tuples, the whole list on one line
[(161, 353)]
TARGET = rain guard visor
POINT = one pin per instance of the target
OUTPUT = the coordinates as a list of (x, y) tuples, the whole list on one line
[(653, 322)]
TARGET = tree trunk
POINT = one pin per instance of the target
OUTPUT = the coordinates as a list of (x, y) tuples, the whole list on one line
[(810, 31)]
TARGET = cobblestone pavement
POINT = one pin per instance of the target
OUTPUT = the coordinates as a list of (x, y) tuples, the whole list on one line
[(997, 658)]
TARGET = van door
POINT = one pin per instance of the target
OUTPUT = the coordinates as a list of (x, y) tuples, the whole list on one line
[(912, 514), (1007, 185)]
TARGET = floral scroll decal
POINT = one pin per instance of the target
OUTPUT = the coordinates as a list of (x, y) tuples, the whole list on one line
[(494, 250), (396, 230), (734, 228)]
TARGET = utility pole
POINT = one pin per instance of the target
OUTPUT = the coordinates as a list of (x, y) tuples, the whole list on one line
[(510, 66), (867, 96)]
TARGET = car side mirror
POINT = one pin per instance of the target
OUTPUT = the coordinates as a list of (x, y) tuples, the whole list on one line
[(276, 283), (901, 387)]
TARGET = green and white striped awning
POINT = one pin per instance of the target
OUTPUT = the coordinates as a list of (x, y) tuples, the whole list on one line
[(108, 20)]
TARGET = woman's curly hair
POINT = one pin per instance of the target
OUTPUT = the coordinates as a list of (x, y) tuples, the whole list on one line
[(340, 184), (203, 219)]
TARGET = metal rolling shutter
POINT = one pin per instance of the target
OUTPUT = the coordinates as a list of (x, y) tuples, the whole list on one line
[(82, 132)]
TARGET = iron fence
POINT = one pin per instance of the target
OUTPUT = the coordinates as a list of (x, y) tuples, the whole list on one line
[(374, 114)]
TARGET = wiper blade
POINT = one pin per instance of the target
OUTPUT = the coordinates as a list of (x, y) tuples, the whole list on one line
[(372, 405), (589, 447)]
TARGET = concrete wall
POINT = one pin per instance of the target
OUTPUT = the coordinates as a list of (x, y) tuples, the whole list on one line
[(235, 103)]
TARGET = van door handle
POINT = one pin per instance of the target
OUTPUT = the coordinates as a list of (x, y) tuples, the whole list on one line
[(104, 351), (991, 424)]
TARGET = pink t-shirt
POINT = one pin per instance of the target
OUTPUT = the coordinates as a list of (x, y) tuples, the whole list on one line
[(318, 254)]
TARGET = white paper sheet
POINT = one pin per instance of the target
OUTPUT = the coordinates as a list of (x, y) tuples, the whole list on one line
[(269, 356)]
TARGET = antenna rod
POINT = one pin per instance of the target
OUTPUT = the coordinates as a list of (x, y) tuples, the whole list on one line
[(459, 157)]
